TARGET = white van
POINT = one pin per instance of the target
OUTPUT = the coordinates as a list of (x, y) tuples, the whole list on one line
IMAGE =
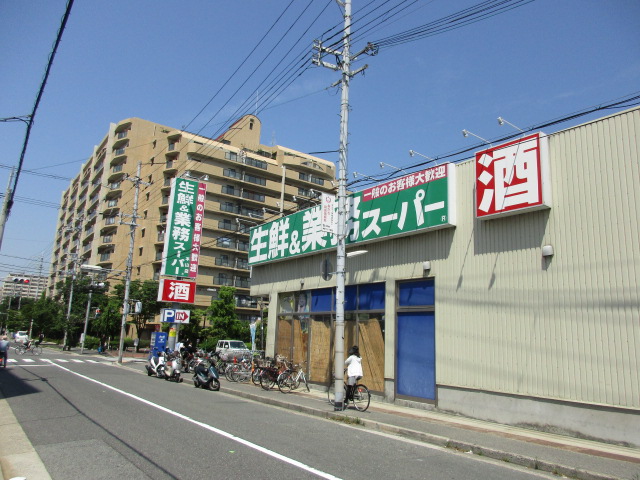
[(230, 349)]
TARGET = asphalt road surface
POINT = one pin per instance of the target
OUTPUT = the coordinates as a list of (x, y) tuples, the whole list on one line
[(88, 418)]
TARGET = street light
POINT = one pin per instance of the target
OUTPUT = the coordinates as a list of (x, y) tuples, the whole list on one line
[(502, 121), (466, 133)]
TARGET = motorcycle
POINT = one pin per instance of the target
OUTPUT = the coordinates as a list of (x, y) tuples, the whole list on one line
[(156, 364), (172, 368), (206, 376)]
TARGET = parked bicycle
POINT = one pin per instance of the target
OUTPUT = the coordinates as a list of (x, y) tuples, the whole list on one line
[(291, 379), (21, 349), (361, 396)]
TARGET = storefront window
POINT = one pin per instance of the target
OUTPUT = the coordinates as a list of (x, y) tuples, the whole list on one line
[(305, 330)]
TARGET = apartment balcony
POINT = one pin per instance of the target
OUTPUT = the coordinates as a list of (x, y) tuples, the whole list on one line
[(115, 187), (119, 155), (116, 175), (171, 165)]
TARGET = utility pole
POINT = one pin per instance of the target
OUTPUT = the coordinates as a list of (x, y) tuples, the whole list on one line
[(5, 206), (344, 66), (137, 181), (73, 279)]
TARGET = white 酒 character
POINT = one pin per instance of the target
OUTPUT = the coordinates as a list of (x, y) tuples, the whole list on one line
[(179, 291), (516, 177)]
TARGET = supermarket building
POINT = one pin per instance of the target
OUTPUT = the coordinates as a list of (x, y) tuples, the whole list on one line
[(469, 302)]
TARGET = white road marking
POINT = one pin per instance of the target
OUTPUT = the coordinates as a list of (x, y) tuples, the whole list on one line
[(222, 433)]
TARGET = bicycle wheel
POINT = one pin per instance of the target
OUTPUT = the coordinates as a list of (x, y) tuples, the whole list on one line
[(306, 384), (255, 376), (267, 381), (361, 397), (228, 372), (20, 350), (286, 383), (36, 350)]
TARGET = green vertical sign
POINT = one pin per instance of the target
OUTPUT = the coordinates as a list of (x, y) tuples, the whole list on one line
[(178, 238), (407, 205)]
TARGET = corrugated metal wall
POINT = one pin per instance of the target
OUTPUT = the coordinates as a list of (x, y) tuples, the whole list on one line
[(508, 320), (568, 327)]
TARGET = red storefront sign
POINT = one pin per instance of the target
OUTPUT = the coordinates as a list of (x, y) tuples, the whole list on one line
[(178, 291), (513, 177)]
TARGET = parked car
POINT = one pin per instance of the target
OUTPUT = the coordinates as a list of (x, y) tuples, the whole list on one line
[(22, 336), (230, 349)]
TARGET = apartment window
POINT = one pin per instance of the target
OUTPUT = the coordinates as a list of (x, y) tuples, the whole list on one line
[(147, 196), (255, 162), (231, 156), (140, 251), (225, 224), (142, 232), (232, 173), (253, 196), (123, 134), (228, 207), (254, 179), (224, 242), (310, 178), (119, 151)]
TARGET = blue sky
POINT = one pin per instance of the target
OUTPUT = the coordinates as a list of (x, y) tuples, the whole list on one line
[(168, 62)]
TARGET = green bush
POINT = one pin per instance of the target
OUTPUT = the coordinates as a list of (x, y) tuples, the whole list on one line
[(91, 343), (209, 345)]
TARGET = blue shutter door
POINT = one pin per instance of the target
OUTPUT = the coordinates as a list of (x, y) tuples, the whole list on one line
[(416, 355)]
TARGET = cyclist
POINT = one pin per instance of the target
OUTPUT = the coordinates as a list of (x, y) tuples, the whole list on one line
[(4, 350), (354, 370), (40, 339)]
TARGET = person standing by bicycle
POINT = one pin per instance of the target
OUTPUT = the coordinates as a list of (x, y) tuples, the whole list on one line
[(4, 350), (354, 369)]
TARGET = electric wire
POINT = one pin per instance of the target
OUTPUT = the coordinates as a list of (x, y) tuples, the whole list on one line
[(32, 116)]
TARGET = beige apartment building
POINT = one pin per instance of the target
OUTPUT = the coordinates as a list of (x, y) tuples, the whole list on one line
[(23, 285), (247, 183)]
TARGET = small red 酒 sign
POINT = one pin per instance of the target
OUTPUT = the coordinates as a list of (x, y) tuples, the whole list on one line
[(179, 291)]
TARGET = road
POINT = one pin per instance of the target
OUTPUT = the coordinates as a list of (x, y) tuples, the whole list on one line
[(88, 418)]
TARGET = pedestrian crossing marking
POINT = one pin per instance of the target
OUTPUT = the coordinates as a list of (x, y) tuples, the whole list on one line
[(54, 360)]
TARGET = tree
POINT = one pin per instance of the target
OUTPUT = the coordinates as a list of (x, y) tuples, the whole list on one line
[(47, 315), (224, 320), (109, 320), (145, 292)]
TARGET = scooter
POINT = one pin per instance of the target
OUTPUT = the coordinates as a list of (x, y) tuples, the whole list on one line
[(155, 365), (206, 376), (171, 369)]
